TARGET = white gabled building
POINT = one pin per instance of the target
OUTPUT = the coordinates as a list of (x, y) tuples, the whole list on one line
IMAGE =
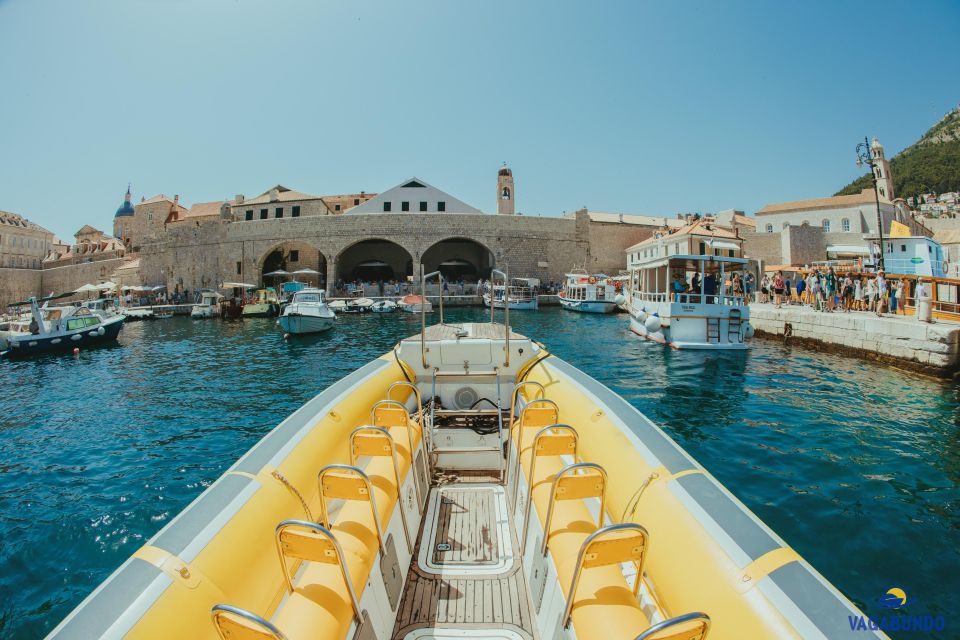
[(413, 196)]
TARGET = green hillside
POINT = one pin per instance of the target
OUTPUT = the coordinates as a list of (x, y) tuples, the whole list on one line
[(930, 164)]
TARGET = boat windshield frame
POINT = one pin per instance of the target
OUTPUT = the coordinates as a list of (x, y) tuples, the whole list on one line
[(316, 296)]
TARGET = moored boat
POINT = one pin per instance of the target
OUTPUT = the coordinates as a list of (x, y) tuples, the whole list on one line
[(208, 305), (65, 328), (588, 293), (307, 313), (520, 294), (263, 304), (414, 303), (466, 484), (686, 289), (383, 306)]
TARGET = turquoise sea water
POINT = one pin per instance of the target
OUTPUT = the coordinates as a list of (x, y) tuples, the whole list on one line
[(855, 466)]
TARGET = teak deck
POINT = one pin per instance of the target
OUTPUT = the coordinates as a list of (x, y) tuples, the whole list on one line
[(467, 522)]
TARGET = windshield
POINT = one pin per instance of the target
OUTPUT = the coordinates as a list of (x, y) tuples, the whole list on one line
[(306, 297)]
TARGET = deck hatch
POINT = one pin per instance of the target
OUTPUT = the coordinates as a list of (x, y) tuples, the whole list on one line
[(466, 532)]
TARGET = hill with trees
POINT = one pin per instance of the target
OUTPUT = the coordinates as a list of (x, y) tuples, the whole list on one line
[(931, 164)]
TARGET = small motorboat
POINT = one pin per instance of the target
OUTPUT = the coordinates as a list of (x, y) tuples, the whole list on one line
[(339, 306), (264, 304), (208, 306), (308, 312), (588, 293), (414, 303), (383, 306), (163, 313), (520, 294), (60, 329)]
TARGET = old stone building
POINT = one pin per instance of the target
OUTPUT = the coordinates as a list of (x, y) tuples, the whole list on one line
[(388, 236), (23, 244), (147, 219)]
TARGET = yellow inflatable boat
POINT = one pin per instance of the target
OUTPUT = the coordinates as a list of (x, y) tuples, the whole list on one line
[(465, 485)]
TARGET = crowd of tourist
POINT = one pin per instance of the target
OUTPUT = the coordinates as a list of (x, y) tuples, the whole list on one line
[(828, 291)]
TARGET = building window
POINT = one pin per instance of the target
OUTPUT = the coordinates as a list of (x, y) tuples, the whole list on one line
[(769, 228), (404, 206), (294, 255), (903, 248), (386, 206), (263, 214), (703, 249), (336, 207), (441, 206), (239, 268), (150, 217), (356, 201), (295, 212), (845, 224), (279, 212), (826, 224), (249, 214), (423, 206), (731, 253)]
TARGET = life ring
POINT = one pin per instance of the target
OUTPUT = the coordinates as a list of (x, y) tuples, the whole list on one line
[(617, 285), (946, 267), (592, 280)]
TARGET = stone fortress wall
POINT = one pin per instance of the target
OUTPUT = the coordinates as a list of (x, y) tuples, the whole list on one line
[(18, 284), (196, 256)]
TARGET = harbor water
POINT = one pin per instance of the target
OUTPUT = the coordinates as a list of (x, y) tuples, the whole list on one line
[(856, 466)]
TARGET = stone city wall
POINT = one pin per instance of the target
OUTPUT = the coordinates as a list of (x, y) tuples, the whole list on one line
[(903, 342), (70, 277), (18, 284)]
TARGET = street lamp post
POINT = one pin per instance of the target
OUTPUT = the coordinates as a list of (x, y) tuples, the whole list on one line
[(865, 157)]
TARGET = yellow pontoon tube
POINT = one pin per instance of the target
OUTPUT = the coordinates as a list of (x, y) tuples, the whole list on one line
[(466, 485)]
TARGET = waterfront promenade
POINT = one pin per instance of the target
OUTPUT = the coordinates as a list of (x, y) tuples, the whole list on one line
[(901, 341)]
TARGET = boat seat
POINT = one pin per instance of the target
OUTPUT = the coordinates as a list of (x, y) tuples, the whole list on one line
[(599, 602), (552, 441), (690, 626), (606, 605), (376, 442), (534, 416)]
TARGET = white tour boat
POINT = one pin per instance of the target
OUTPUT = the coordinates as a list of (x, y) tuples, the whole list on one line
[(588, 294), (519, 294), (688, 300), (307, 313)]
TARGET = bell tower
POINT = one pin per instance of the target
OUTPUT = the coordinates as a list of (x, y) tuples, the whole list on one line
[(881, 169), (505, 193)]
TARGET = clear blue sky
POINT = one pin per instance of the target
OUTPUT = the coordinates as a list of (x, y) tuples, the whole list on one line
[(646, 107)]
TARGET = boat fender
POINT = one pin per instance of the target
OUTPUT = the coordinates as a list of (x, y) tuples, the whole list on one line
[(620, 299), (101, 331), (652, 323), (747, 331)]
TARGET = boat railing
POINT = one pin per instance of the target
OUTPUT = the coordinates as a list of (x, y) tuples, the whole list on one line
[(693, 298)]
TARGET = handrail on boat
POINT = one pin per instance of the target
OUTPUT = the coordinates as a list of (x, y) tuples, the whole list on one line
[(330, 544), (377, 442), (347, 489), (423, 428), (634, 551), (378, 421), (221, 612), (671, 627), (423, 309), (565, 476), (506, 312), (562, 444)]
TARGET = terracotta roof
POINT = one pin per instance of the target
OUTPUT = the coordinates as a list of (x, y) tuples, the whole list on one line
[(630, 218), (864, 197), (696, 228), (158, 198), (87, 229), (745, 220), (285, 195), (200, 209)]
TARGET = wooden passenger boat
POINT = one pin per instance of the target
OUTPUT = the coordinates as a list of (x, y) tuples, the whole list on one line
[(467, 484)]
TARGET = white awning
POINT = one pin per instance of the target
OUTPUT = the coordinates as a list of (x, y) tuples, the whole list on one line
[(854, 249), (723, 244)]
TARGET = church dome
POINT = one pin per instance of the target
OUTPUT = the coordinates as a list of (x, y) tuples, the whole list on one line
[(126, 209), (505, 172)]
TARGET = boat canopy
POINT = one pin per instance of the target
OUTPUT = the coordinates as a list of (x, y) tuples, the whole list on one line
[(699, 262)]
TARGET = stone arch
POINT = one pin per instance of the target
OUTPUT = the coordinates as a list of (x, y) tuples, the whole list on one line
[(459, 258), (290, 256), (372, 261)]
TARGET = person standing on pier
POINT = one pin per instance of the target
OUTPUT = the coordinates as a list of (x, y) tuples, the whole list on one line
[(881, 285)]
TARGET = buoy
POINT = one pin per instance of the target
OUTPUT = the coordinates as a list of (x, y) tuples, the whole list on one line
[(286, 336), (76, 351), (652, 323)]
